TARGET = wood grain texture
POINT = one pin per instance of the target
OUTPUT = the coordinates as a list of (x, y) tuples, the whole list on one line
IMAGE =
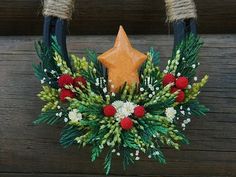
[(27, 150), (23, 17)]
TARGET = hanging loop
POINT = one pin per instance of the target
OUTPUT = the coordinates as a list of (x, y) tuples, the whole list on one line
[(182, 14), (56, 14)]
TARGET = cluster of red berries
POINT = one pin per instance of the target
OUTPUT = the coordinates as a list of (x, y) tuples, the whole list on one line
[(66, 79), (180, 84), (126, 123)]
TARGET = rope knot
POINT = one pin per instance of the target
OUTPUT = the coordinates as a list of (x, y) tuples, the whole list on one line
[(59, 8), (180, 9)]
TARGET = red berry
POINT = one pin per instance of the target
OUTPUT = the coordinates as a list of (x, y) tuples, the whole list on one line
[(139, 111), (65, 79), (168, 78), (180, 97), (109, 110), (174, 89), (66, 93), (78, 81), (181, 83), (126, 123)]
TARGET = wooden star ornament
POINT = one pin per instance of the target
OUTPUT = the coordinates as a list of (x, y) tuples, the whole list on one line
[(122, 62)]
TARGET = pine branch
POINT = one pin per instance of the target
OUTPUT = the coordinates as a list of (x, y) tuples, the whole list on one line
[(49, 117), (107, 163), (68, 135), (189, 50), (196, 108)]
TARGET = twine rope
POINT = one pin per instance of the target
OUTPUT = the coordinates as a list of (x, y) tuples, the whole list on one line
[(59, 8), (180, 9)]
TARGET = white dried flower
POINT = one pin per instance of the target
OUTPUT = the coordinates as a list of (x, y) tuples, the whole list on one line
[(74, 115), (128, 108), (170, 113), (123, 109), (118, 104)]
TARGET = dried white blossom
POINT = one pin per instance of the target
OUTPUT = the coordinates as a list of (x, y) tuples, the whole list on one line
[(75, 116), (118, 104), (123, 109), (128, 108), (170, 113)]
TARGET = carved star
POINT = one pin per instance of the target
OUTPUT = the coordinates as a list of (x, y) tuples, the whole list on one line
[(122, 62)]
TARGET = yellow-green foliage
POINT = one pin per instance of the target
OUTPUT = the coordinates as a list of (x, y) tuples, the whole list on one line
[(195, 90), (173, 64), (51, 96), (79, 63), (62, 64), (150, 67)]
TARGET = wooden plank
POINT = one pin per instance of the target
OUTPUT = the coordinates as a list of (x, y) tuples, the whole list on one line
[(28, 150), (103, 17), (77, 175)]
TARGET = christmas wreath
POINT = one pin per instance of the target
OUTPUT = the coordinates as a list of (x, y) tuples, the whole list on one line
[(121, 102)]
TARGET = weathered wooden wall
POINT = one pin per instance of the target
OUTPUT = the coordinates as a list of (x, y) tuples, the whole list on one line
[(23, 17), (27, 150)]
